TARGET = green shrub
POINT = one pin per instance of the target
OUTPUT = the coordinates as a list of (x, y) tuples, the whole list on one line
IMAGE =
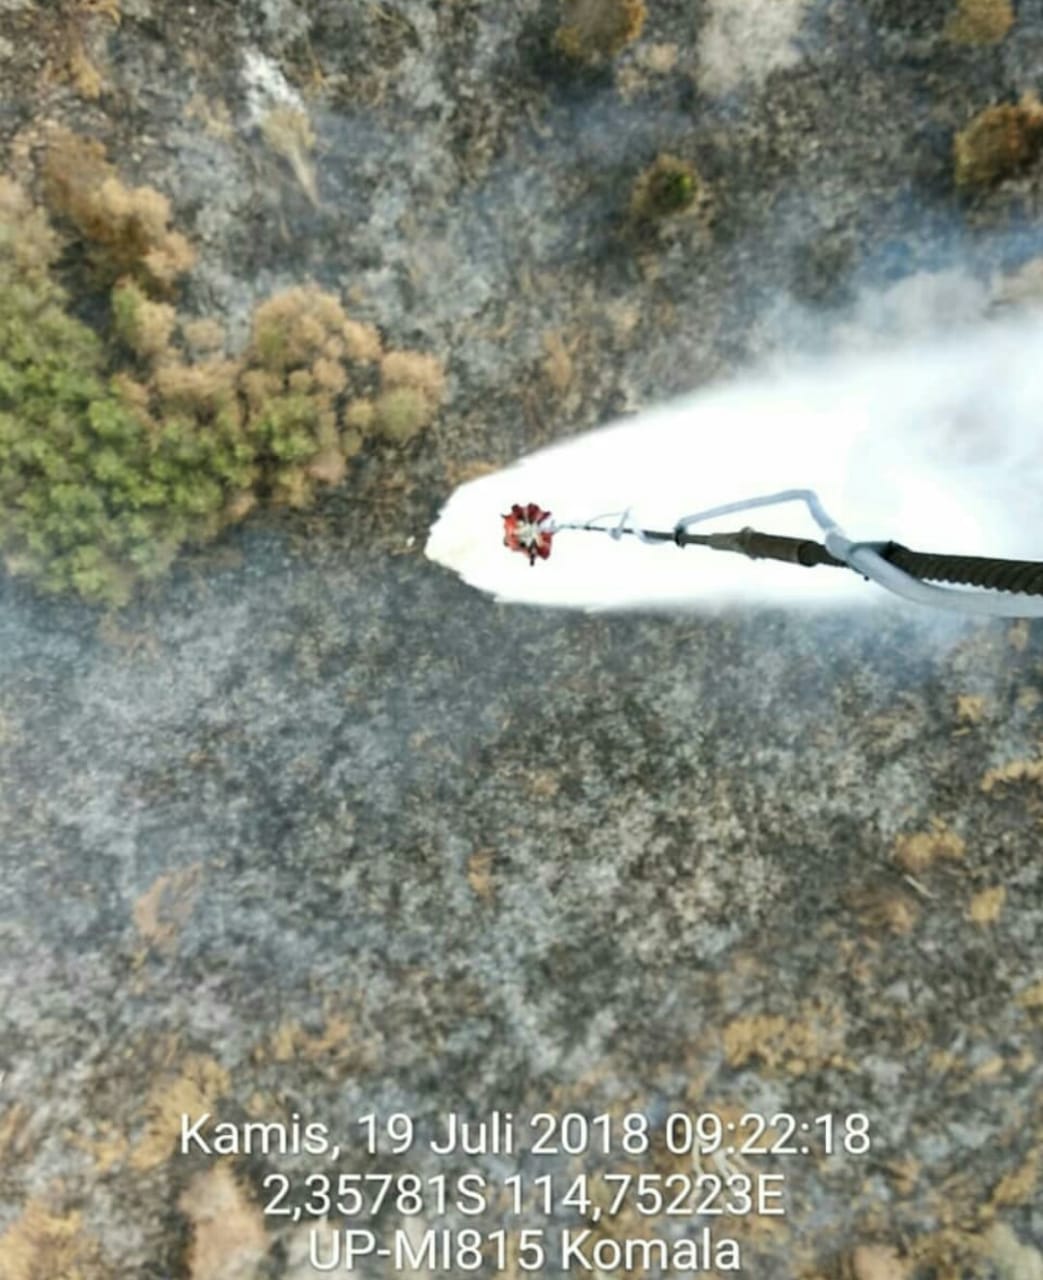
[(667, 187)]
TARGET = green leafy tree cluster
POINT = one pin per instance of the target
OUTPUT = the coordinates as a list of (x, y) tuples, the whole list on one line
[(93, 495), (116, 453)]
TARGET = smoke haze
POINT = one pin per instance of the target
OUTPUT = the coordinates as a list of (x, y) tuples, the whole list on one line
[(935, 444)]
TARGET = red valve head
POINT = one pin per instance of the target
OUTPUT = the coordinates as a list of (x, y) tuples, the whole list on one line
[(524, 530)]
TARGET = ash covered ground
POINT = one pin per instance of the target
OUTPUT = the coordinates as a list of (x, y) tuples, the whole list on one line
[(313, 829)]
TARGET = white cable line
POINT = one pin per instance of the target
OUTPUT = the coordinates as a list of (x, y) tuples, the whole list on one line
[(864, 557)]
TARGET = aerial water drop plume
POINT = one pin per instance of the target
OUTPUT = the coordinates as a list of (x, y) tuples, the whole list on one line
[(937, 445)]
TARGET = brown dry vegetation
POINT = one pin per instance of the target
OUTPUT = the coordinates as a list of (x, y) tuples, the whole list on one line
[(997, 143), (980, 21), (595, 30)]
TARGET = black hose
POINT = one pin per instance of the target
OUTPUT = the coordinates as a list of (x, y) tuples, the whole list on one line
[(1022, 576)]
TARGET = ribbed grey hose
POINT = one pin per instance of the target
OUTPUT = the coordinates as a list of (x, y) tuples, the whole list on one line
[(864, 557)]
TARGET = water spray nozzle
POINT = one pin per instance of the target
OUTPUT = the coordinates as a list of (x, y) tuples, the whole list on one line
[(527, 528)]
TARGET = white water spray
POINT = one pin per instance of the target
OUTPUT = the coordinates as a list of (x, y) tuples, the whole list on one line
[(938, 445)]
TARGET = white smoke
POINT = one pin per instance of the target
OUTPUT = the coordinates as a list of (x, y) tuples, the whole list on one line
[(937, 444)]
